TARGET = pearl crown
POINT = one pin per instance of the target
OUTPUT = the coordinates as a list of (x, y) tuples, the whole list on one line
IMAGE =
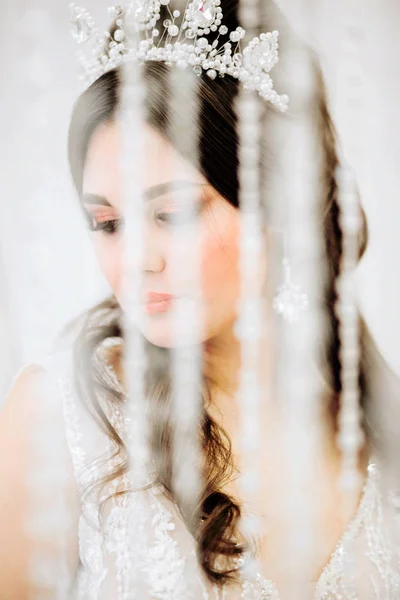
[(185, 45)]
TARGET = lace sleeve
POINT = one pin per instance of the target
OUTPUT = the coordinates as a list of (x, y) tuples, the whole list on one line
[(138, 546)]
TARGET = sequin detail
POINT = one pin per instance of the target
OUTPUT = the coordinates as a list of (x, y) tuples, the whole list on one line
[(142, 550)]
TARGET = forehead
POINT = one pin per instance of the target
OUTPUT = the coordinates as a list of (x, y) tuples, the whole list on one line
[(160, 162)]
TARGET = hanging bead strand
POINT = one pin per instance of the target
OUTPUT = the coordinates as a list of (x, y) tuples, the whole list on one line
[(134, 355), (249, 327), (296, 205), (350, 437), (186, 352)]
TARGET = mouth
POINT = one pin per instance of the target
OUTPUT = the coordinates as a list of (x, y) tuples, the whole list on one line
[(158, 303), (153, 308)]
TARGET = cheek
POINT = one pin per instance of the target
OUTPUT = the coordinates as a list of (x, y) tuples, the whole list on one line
[(109, 258), (220, 264)]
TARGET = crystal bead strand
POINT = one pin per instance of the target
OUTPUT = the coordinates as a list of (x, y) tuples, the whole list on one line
[(249, 326), (350, 437), (134, 356), (47, 518), (186, 352), (296, 206)]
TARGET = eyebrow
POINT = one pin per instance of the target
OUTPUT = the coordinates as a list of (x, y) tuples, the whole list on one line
[(148, 194)]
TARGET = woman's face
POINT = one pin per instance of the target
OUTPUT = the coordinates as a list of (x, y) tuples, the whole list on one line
[(167, 227)]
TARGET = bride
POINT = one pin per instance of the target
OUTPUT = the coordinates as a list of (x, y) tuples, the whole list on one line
[(118, 543)]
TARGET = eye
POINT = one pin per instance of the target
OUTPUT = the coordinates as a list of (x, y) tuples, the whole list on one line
[(109, 227), (178, 217), (177, 208)]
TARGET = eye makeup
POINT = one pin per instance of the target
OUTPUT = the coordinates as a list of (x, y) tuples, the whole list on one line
[(168, 210), (175, 211), (101, 219), (109, 226)]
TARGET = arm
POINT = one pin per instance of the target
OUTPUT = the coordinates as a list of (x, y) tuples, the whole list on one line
[(34, 407)]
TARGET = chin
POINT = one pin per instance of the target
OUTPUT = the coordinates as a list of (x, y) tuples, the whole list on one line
[(158, 329), (162, 335), (165, 339)]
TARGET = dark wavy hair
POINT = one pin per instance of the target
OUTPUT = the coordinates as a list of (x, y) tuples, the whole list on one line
[(215, 530)]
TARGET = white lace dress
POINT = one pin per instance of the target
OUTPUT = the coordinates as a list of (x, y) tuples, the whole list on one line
[(144, 551)]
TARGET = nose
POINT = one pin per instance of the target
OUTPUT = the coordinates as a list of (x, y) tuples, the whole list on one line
[(152, 259)]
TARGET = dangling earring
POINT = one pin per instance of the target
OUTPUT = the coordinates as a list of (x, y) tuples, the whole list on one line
[(289, 300)]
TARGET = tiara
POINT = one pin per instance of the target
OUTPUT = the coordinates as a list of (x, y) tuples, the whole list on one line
[(185, 45)]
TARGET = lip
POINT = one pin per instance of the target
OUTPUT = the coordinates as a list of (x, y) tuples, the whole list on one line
[(155, 297), (153, 308)]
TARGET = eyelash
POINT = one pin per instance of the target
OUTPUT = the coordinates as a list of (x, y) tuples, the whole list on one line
[(112, 226), (167, 218), (109, 227)]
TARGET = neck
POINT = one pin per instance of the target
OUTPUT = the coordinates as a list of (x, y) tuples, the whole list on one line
[(223, 362)]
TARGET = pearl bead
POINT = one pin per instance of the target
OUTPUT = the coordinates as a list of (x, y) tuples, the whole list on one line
[(214, 58), (173, 30)]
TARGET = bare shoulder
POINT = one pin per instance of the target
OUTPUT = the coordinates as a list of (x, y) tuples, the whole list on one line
[(29, 384), (32, 410), (32, 413)]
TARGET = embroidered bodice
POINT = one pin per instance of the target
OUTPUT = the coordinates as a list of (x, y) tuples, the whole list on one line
[(142, 549)]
